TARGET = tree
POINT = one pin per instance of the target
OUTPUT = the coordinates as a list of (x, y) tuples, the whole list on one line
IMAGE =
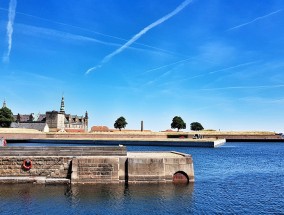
[(196, 126), (178, 123), (6, 117), (120, 123)]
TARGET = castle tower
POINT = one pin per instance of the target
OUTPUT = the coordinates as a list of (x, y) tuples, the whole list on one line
[(4, 104), (86, 121), (62, 108)]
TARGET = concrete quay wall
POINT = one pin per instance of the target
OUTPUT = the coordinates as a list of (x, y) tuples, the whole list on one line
[(142, 169), (90, 166), (205, 143), (114, 139), (244, 137), (234, 136), (25, 136)]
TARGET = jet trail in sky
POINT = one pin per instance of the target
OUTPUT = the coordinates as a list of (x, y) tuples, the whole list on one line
[(245, 87), (138, 35), (11, 18), (256, 19), (164, 66), (96, 32)]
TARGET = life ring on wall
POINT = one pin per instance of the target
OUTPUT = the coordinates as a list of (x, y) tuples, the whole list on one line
[(27, 164)]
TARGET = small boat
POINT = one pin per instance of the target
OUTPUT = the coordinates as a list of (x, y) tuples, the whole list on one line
[(3, 142)]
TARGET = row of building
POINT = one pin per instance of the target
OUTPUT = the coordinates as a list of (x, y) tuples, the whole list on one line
[(52, 121)]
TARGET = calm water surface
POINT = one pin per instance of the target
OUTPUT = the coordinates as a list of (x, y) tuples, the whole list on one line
[(237, 178)]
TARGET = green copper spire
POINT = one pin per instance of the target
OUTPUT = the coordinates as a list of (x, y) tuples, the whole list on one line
[(62, 105)]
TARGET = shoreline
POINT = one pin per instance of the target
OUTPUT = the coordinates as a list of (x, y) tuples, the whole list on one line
[(139, 137)]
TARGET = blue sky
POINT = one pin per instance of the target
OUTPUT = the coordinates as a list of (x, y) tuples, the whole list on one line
[(213, 61)]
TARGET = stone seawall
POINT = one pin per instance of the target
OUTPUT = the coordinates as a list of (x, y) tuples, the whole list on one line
[(50, 167), (91, 165), (100, 170)]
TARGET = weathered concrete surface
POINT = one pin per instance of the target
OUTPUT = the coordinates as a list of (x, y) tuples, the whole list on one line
[(47, 166), (15, 134), (63, 151), (219, 142), (206, 143), (96, 170), (89, 165), (31, 179), (158, 166)]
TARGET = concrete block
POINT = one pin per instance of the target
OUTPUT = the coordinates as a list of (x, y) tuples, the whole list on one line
[(57, 181)]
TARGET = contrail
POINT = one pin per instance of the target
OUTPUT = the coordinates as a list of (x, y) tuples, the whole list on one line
[(98, 33), (233, 67), (220, 70), (246, 87), (161, 76), (256, 19), (11, 18), (164, 66), (142, 32), (38, 31)]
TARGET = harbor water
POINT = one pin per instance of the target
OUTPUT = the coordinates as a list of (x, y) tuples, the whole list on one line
[(236, 178)]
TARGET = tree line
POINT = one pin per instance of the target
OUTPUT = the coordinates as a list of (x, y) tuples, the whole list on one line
[(177, 123), (6, 118)]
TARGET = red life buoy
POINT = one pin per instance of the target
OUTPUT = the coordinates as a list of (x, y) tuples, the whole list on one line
[(4, 142), (27, 164)]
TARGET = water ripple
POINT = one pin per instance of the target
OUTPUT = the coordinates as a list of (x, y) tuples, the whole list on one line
[(239, 178)]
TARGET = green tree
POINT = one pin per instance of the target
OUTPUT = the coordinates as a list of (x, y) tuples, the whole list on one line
[(6, 117), (178, 123), (120, 123), (196, 126)]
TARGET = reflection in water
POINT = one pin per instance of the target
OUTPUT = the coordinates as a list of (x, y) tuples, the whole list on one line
[(246, 178), (72, 195), (118, 197), (98, 198)]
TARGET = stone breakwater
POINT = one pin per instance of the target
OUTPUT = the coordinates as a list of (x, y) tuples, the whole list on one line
[(92, 165), (26, 134)]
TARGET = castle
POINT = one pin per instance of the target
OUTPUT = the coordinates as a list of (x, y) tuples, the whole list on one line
[(52, 121)]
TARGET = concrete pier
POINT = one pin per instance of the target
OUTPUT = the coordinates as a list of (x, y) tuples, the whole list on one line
[(205, 143), (141, 138), (92, 165)]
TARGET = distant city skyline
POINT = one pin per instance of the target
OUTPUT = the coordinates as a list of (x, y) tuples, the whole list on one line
[(217, 62)]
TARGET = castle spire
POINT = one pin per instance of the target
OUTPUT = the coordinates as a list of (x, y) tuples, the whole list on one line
[(62, 105), (4, 104)]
